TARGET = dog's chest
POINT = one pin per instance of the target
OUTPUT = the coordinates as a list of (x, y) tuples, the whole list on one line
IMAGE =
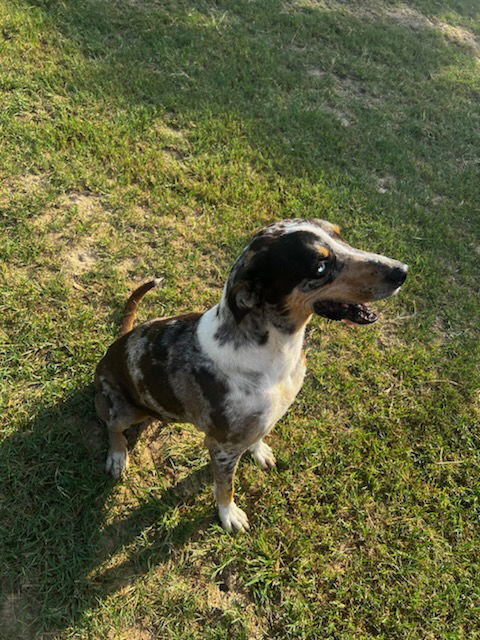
[(262, 380), (284, 392), (268, 399)]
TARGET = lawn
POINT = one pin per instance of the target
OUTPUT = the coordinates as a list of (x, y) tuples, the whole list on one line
[(153, 137)]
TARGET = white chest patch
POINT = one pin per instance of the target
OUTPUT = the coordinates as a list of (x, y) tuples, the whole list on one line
[(263, 379), (285, 392)]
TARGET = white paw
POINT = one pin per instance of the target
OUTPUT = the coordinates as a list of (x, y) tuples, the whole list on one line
[(233, 518), (263, 455), (117, 463)]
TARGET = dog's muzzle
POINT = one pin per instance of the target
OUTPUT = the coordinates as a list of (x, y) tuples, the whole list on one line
[(394, 277)]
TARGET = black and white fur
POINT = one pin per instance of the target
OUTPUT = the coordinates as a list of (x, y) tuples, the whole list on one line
[(234, 370)]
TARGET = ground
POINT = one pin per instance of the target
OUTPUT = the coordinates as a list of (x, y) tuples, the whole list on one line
[(149, 138)]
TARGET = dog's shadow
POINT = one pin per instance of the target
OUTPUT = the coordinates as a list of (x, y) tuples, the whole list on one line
[(59, 526)]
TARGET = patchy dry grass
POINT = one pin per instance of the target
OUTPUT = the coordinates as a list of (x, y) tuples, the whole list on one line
[(147, 138)]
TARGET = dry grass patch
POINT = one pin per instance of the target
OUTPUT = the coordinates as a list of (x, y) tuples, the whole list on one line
[(127, 268), (73, 230), (131, 633), (315, 72), (402, 14), (386, 184), (72, 210), (26, 185), (80, 260), (29, 183), (460, 36), (406, 16), (414, 19), (227, 595), (350, 88)]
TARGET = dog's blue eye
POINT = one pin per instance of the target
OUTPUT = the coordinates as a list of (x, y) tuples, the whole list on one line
[(322, 267)]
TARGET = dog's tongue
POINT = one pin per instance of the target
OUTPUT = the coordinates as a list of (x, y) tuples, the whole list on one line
[(351, 313)]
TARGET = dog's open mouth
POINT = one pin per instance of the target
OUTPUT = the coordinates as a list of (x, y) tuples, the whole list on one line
[(356, 313)]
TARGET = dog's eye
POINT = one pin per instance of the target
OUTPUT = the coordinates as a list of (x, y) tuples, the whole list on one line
[(321, 268)]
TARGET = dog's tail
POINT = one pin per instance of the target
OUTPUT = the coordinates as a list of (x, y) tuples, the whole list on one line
[(130, 311)]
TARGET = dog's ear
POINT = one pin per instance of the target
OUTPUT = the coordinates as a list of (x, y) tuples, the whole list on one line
[(241, 298), (246, 291)]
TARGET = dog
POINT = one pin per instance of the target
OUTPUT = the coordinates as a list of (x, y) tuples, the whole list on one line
[(234, 370)]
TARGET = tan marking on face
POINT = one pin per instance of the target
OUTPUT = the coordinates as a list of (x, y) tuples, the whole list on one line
[(323, 251), (358, 282), (336, 228), (299, 307)]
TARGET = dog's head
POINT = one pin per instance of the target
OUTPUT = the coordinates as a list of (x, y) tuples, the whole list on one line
[(299, 267)]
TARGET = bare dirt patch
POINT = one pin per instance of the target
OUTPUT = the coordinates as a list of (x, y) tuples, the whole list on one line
[(351, 88), (408, 17), (175, 154), (86, 204), (341, 117), (402, 14), (79, 260), (131, 633), (460, 36), (28, 184), (73, 208), (127, 268), (385, 184), (315, 72), (228, 594), (74, 229)]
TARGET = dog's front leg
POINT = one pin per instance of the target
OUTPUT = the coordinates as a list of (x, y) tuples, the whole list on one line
[(224, 465), (263, 455)]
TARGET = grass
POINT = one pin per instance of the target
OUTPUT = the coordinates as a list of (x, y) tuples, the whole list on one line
[(147, 137)]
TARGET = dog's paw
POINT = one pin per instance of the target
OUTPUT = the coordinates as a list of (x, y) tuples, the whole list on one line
[(263, 455), (233, 518), (117, 463)]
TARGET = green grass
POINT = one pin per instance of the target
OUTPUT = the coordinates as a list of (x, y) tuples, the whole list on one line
[(143, 137)]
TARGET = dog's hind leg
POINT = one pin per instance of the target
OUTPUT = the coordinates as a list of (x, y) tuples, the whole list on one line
[(224, 465), (118, 414), (117, 457)]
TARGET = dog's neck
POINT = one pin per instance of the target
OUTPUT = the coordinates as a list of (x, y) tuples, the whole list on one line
[(257, 324), (264, 340)]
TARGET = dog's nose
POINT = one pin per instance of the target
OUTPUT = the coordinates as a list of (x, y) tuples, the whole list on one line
[(398, 275)]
